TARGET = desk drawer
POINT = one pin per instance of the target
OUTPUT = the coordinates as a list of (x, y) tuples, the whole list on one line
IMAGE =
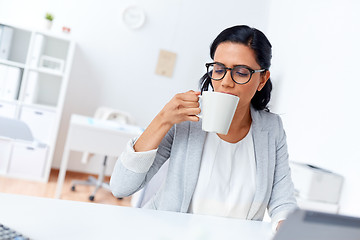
[(27, 160), (41, 123)]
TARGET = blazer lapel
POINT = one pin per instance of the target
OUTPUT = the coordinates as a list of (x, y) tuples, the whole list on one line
[(192, 162), (261, 145)]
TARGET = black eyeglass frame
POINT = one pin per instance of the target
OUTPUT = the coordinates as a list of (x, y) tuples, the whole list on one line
[(252, 71)]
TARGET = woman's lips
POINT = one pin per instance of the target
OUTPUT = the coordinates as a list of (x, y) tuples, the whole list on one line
[(229, 93)]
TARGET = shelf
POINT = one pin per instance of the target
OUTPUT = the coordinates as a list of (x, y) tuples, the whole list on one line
[(47, 71), (39, 106), (12, 63), (43, 61), (60, 35), (23, 28), (15, 102)]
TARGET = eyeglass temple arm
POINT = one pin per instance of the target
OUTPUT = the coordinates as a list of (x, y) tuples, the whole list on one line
[(260, 70)]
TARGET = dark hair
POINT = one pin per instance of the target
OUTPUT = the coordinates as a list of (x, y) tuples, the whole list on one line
[(258, 42)]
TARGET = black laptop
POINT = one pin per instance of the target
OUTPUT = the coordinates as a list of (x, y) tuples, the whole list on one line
[(310, 225)]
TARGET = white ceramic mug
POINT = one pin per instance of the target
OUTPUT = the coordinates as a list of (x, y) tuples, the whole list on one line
[(217, 111)]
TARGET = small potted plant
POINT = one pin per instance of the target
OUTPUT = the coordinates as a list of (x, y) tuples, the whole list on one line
[(48, 20)]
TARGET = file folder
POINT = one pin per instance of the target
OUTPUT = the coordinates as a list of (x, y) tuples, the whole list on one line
[(31, 88), (37, 50), (10, 82)]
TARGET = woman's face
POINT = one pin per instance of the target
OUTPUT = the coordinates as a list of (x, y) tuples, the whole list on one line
[(232, 54)]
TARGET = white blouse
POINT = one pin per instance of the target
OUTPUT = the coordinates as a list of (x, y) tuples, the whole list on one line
[(226, 183)]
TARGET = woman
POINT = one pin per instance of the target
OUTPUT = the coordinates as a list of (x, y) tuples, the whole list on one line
[(239, 174)]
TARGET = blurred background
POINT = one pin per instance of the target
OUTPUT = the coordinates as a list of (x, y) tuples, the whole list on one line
[(314, 69)]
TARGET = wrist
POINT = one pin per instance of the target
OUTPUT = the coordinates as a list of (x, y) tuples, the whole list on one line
[(153, 134), (162, 121)]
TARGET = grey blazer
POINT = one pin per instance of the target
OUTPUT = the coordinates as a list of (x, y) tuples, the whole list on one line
[(183, 146)]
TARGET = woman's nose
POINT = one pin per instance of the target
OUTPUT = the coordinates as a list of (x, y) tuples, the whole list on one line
[(227, 80)]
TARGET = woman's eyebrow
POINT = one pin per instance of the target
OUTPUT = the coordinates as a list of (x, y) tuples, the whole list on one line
[(243, 65), (235, 65)]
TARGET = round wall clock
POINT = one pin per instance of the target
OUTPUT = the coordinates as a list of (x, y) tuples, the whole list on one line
[(133, 17)]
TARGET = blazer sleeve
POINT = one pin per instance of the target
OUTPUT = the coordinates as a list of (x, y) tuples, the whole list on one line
[(282, 200), (134, 169)]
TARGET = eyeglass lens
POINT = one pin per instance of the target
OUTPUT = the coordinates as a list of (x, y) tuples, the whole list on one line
[(239, 74)]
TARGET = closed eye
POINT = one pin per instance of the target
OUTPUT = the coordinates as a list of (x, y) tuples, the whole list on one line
[(242, 74)]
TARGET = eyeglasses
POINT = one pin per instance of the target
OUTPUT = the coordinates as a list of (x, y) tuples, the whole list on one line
[(239, 74)]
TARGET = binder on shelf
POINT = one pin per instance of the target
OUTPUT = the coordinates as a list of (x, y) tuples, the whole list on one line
[(37, 50), (5, 41), (31, 90), (10, 82)]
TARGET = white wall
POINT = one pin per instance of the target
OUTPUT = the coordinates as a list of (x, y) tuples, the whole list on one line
[(114, 66), (316, 78)]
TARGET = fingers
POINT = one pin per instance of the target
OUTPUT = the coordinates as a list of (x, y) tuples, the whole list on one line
[(189, 100), (183, 107), (193, 118), (189, 114), (188, 104), (194, 92), (190, 111), (190, 96)]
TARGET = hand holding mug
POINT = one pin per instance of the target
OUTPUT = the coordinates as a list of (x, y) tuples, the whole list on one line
[(182, 107)]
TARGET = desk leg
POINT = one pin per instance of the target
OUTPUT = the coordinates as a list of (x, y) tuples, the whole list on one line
[(62, 171)]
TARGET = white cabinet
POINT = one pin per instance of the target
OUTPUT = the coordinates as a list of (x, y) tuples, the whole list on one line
[(41, 122), (27, 160), (34, 72), (7, 109), (5, 150)]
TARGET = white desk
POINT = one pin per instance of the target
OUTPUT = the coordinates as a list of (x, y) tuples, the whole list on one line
[(43, 219), (96, 136)]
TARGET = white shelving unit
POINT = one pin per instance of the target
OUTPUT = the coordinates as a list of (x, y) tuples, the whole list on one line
[(34, 72)]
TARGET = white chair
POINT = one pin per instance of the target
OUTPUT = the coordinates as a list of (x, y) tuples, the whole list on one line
[(103, 113), (15, 129)]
